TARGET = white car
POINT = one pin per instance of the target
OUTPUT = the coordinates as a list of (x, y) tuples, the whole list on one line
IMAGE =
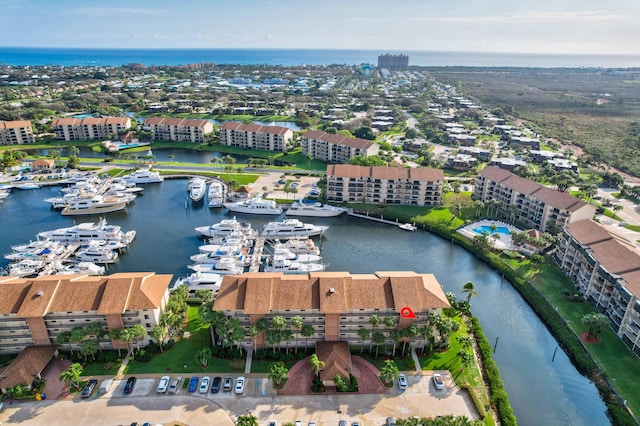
[(240, 385), (164, 384), (204, 384), (402, 381), (438, 381)]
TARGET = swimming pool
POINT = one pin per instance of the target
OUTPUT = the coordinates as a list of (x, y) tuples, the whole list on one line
[(497, 230)]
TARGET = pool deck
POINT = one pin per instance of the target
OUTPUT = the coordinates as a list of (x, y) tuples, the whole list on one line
[(504, 240)]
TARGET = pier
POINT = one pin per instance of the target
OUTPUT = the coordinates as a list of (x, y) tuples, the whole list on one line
[(256, 257), (406, 226)]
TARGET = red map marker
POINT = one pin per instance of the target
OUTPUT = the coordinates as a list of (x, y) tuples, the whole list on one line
[(406, 312)]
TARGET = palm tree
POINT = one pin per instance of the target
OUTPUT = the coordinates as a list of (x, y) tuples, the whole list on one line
[(64, 337), (364, 334), (204, 356), (389, 371), (159, 333), (297, 322), (116, 334), (316, 364), (378, 339), (137, 332), (308, 157), (89, 347), (470, 289), (374, 320), (247, 420), (72, 374), (277, 372), (307, 331)]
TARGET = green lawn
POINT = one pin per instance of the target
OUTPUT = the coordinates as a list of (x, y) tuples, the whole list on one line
[(181, 357)]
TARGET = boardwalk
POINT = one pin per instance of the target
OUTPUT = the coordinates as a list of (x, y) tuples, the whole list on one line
[(256, 257)]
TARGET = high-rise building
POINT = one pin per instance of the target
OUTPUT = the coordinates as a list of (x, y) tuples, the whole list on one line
[(393, 61)]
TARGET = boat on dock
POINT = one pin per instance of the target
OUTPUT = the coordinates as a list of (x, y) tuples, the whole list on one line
[(226, 227), (144, 175), (280, 264), (197, 189), (199, 281), (313, 208), (87, 231), (215, 194), (300, 245), (291, 228), (256, 205), (408, 227), (224, 266), (97, 204)]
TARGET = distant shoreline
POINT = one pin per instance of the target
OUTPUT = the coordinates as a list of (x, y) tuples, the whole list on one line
[(100, 57)]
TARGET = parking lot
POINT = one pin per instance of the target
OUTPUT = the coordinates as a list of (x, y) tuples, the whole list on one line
[(259, 398)]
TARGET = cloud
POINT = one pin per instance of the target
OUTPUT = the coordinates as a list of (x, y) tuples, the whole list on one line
[(528, 18), (269, 36), (116, 11)]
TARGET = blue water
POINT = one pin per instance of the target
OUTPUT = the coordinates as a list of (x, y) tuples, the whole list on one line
[(82, 116), (116, 57), (487, 228)]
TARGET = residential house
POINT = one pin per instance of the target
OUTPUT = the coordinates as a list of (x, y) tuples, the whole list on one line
[(91, 128), (384, 185), (178, 129), (336, 148), (528, 202)]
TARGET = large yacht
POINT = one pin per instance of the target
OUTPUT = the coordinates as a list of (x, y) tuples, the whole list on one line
[(84, 232), (224, 266), (96, 204), (256, 205), (280, 264), (197, 189), (302, 245), (291, 228), (226, 227), (215, 195), (144, 175), (313, 208), (199, 281)]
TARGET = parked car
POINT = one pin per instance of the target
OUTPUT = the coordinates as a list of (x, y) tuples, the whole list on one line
[(273, 423), (105, 386), (314, 192), (215, 385), (173, 386), (204, 384), (313, 424), (342, 423), (128, 387), (164, 384), (228, 382), (89, 387), (193, 383), (298, 423), (240, 385), (438, 381), (402, 381), (391, 421)]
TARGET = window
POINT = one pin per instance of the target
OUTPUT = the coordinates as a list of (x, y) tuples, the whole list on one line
[(146, 317)]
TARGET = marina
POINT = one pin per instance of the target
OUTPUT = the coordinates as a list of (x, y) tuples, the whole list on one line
[(545, 392)]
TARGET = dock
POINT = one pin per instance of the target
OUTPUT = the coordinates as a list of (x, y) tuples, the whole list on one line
[(382, 220), (256, 257)]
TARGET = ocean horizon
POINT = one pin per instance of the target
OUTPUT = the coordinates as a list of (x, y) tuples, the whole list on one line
[(36, 56)]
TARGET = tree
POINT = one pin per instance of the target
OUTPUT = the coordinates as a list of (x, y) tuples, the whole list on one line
[(72, 375), (159, 334), (89, 347), (342, 384), (137, 332), (247, 420), (365, 133), (308, 157), (470, 289), (297, 322), (78, 334), (364, 334), (316, 364), (116, 334), (277, 372), (64, 337), (307, 331), (203, 356), (594, 321), (205, 296), (389, 371), (378, 339)]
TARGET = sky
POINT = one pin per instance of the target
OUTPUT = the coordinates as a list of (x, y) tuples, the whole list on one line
[(540, 26)]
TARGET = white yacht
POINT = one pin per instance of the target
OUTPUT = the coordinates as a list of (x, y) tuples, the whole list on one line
[(26, 268), (298, 246), (96, 204), (144, 175), (199, 281), (224, 266), (313, 208), (88, 231), (256, 205), (3, 194), (241, 256), (289, 255), (82, 268), (280, 264), (291, 228), (215, 195), (49, 252), (197, 189), (96, 255), (226, 227)]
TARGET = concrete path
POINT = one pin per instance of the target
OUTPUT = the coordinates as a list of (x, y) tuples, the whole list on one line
[(415, 358), (247, 365)]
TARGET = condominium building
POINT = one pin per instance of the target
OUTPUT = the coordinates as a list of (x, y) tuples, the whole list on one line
[(393, 61), (529, 202), (335, 304), (16, 132), (606, 270), (336, 148), (254, 136), (384, 185), (34, 311), (88, 129), (178, 129)]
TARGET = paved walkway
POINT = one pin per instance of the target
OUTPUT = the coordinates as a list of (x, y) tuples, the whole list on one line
[(415, 358)]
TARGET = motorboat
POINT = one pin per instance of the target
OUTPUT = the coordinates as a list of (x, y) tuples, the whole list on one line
[(226, 227), (27, 185), (256, 205), (197, 189), (33, 245), (215, 195), (408, 227), (105, 244), (280, 264), (87, 231), (313, 208), (241, 256), (96, 255), (224, 266), (234, 238), (96, 204), (302, 258), (291, 228), (144, 175), (303, 245), (3, 194), (84, 268), (51, 251), (26, 268), (199, 281)]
